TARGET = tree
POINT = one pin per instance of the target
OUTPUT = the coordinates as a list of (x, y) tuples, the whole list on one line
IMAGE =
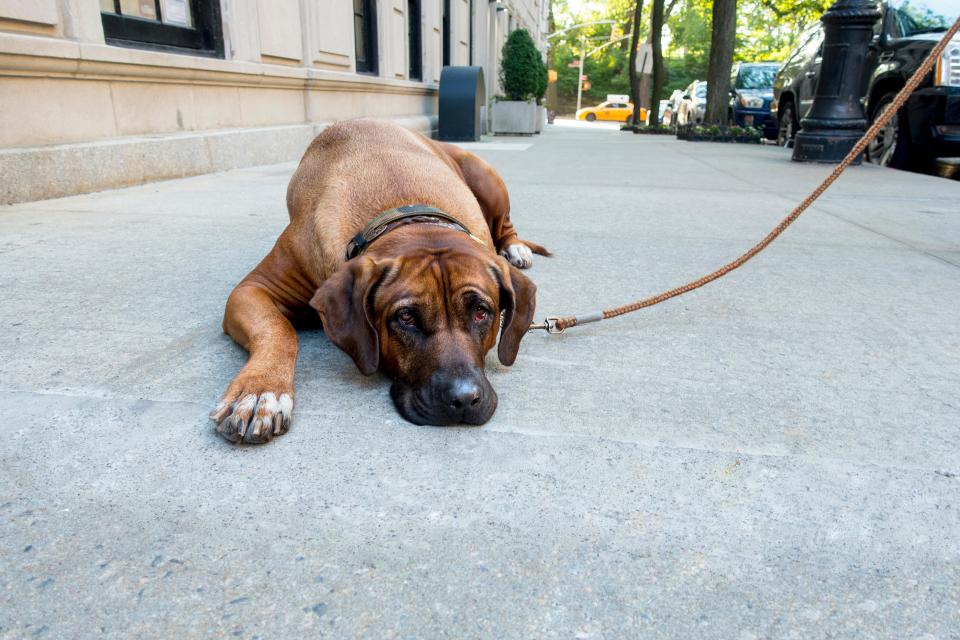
[(765, 30), (632, 68), (521, 68), (722, 42), (656, 31)]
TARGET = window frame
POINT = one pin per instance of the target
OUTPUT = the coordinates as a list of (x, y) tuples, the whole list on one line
[(447, 36), (414, 41), (205, 38), (370, 64)]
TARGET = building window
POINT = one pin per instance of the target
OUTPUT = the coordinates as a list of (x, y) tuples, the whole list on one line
[(446, 33), (180, 26), (415, 72), (365, 35)]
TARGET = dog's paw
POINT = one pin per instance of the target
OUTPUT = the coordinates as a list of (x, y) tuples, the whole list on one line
[(518, 255), (253, 418)]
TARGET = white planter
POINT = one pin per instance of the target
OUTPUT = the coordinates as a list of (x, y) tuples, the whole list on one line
[(541, 119), (515, 117)]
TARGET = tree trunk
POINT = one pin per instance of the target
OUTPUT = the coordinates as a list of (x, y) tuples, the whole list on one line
[(656, 31), (721, 60), (645, 80), (634, 82)]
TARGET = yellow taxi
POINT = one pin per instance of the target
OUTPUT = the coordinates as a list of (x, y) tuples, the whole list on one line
[(610, 110)]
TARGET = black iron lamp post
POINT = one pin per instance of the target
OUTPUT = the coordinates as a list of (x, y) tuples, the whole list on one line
[(836, 120)]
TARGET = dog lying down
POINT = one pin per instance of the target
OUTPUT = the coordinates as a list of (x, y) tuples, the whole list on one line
[(405, 248)]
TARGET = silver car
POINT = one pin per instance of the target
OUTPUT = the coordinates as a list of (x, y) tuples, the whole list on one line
[(693, 105)]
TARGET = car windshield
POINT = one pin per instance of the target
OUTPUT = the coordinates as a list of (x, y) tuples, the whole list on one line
[(756, 77), (923, 16), (701, 91)]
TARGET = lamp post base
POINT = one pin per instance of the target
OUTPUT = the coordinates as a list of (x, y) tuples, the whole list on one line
[(836, 119), (828, 146)]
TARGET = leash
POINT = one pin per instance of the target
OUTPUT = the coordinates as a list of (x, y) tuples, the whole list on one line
[(556, 325)]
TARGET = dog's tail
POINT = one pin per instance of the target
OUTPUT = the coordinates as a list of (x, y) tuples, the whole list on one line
[(536, 248)]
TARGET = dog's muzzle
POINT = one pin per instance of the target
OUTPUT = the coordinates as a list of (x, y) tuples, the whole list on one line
[(447, 399)]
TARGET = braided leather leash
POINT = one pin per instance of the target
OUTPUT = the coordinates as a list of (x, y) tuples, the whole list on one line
[(559, 324)]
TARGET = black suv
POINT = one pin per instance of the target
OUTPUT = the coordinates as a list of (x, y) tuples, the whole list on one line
[(928, 126)]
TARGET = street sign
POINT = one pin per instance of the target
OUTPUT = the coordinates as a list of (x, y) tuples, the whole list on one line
[(583, 77), (645, 58)]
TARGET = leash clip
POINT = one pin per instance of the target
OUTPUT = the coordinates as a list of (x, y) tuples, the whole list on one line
[(549, 325)]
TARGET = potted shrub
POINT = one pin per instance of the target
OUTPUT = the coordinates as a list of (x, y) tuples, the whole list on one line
[(523, 78)]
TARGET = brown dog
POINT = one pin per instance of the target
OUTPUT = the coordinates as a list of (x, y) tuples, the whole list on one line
[(422, 300)]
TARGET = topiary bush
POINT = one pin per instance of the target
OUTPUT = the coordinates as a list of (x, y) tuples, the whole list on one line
[(523, 75), (542, 81)]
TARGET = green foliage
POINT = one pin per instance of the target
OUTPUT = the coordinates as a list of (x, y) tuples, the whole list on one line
[(766, 30), (521, 68), (542, 80), (680, 72), (607, 71), (769, 29)]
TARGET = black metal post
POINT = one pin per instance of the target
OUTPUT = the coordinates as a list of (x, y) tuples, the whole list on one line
[(836, 120)]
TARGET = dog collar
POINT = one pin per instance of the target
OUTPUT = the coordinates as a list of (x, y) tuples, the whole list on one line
[(399, 216)]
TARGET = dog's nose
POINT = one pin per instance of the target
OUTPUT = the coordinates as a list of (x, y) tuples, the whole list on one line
[(463, 394)]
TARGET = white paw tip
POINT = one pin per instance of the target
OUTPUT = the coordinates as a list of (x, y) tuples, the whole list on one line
[(268, 403), (519, 255), (247, 403), (286, 404)]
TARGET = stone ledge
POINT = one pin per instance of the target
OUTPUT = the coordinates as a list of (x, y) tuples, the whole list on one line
[(40, 173), (29, 56)]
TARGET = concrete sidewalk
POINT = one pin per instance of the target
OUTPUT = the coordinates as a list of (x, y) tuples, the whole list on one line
[(773, 456)]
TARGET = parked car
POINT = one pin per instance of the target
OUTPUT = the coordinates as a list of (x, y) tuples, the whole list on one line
[(662, 107), (751, 87), (610, 110), (669, 112), (693, 104), (928, 126)]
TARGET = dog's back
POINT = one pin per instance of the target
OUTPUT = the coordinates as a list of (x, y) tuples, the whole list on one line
[(364, 167)]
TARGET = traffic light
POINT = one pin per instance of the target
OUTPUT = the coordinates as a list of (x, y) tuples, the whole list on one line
[(615, 33)]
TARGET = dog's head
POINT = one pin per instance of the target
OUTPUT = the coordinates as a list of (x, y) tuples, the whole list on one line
[(427, 320)]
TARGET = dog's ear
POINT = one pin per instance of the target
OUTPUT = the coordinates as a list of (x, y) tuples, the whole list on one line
[(518, 301), (344, 302)]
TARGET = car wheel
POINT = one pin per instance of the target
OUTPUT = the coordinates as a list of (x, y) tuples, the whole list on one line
[(891, 147), (788, 126), (590, 117)]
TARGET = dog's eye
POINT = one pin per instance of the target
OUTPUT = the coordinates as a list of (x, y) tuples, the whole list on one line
[(406, 318), (480, 314)]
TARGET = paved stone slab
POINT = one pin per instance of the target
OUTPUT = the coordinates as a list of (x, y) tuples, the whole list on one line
[(772, 456)]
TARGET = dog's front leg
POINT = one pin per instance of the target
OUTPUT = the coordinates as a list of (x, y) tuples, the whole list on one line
[(259, 402)]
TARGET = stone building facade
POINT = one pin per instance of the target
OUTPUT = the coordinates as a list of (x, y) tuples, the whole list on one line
[(102, 93)]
